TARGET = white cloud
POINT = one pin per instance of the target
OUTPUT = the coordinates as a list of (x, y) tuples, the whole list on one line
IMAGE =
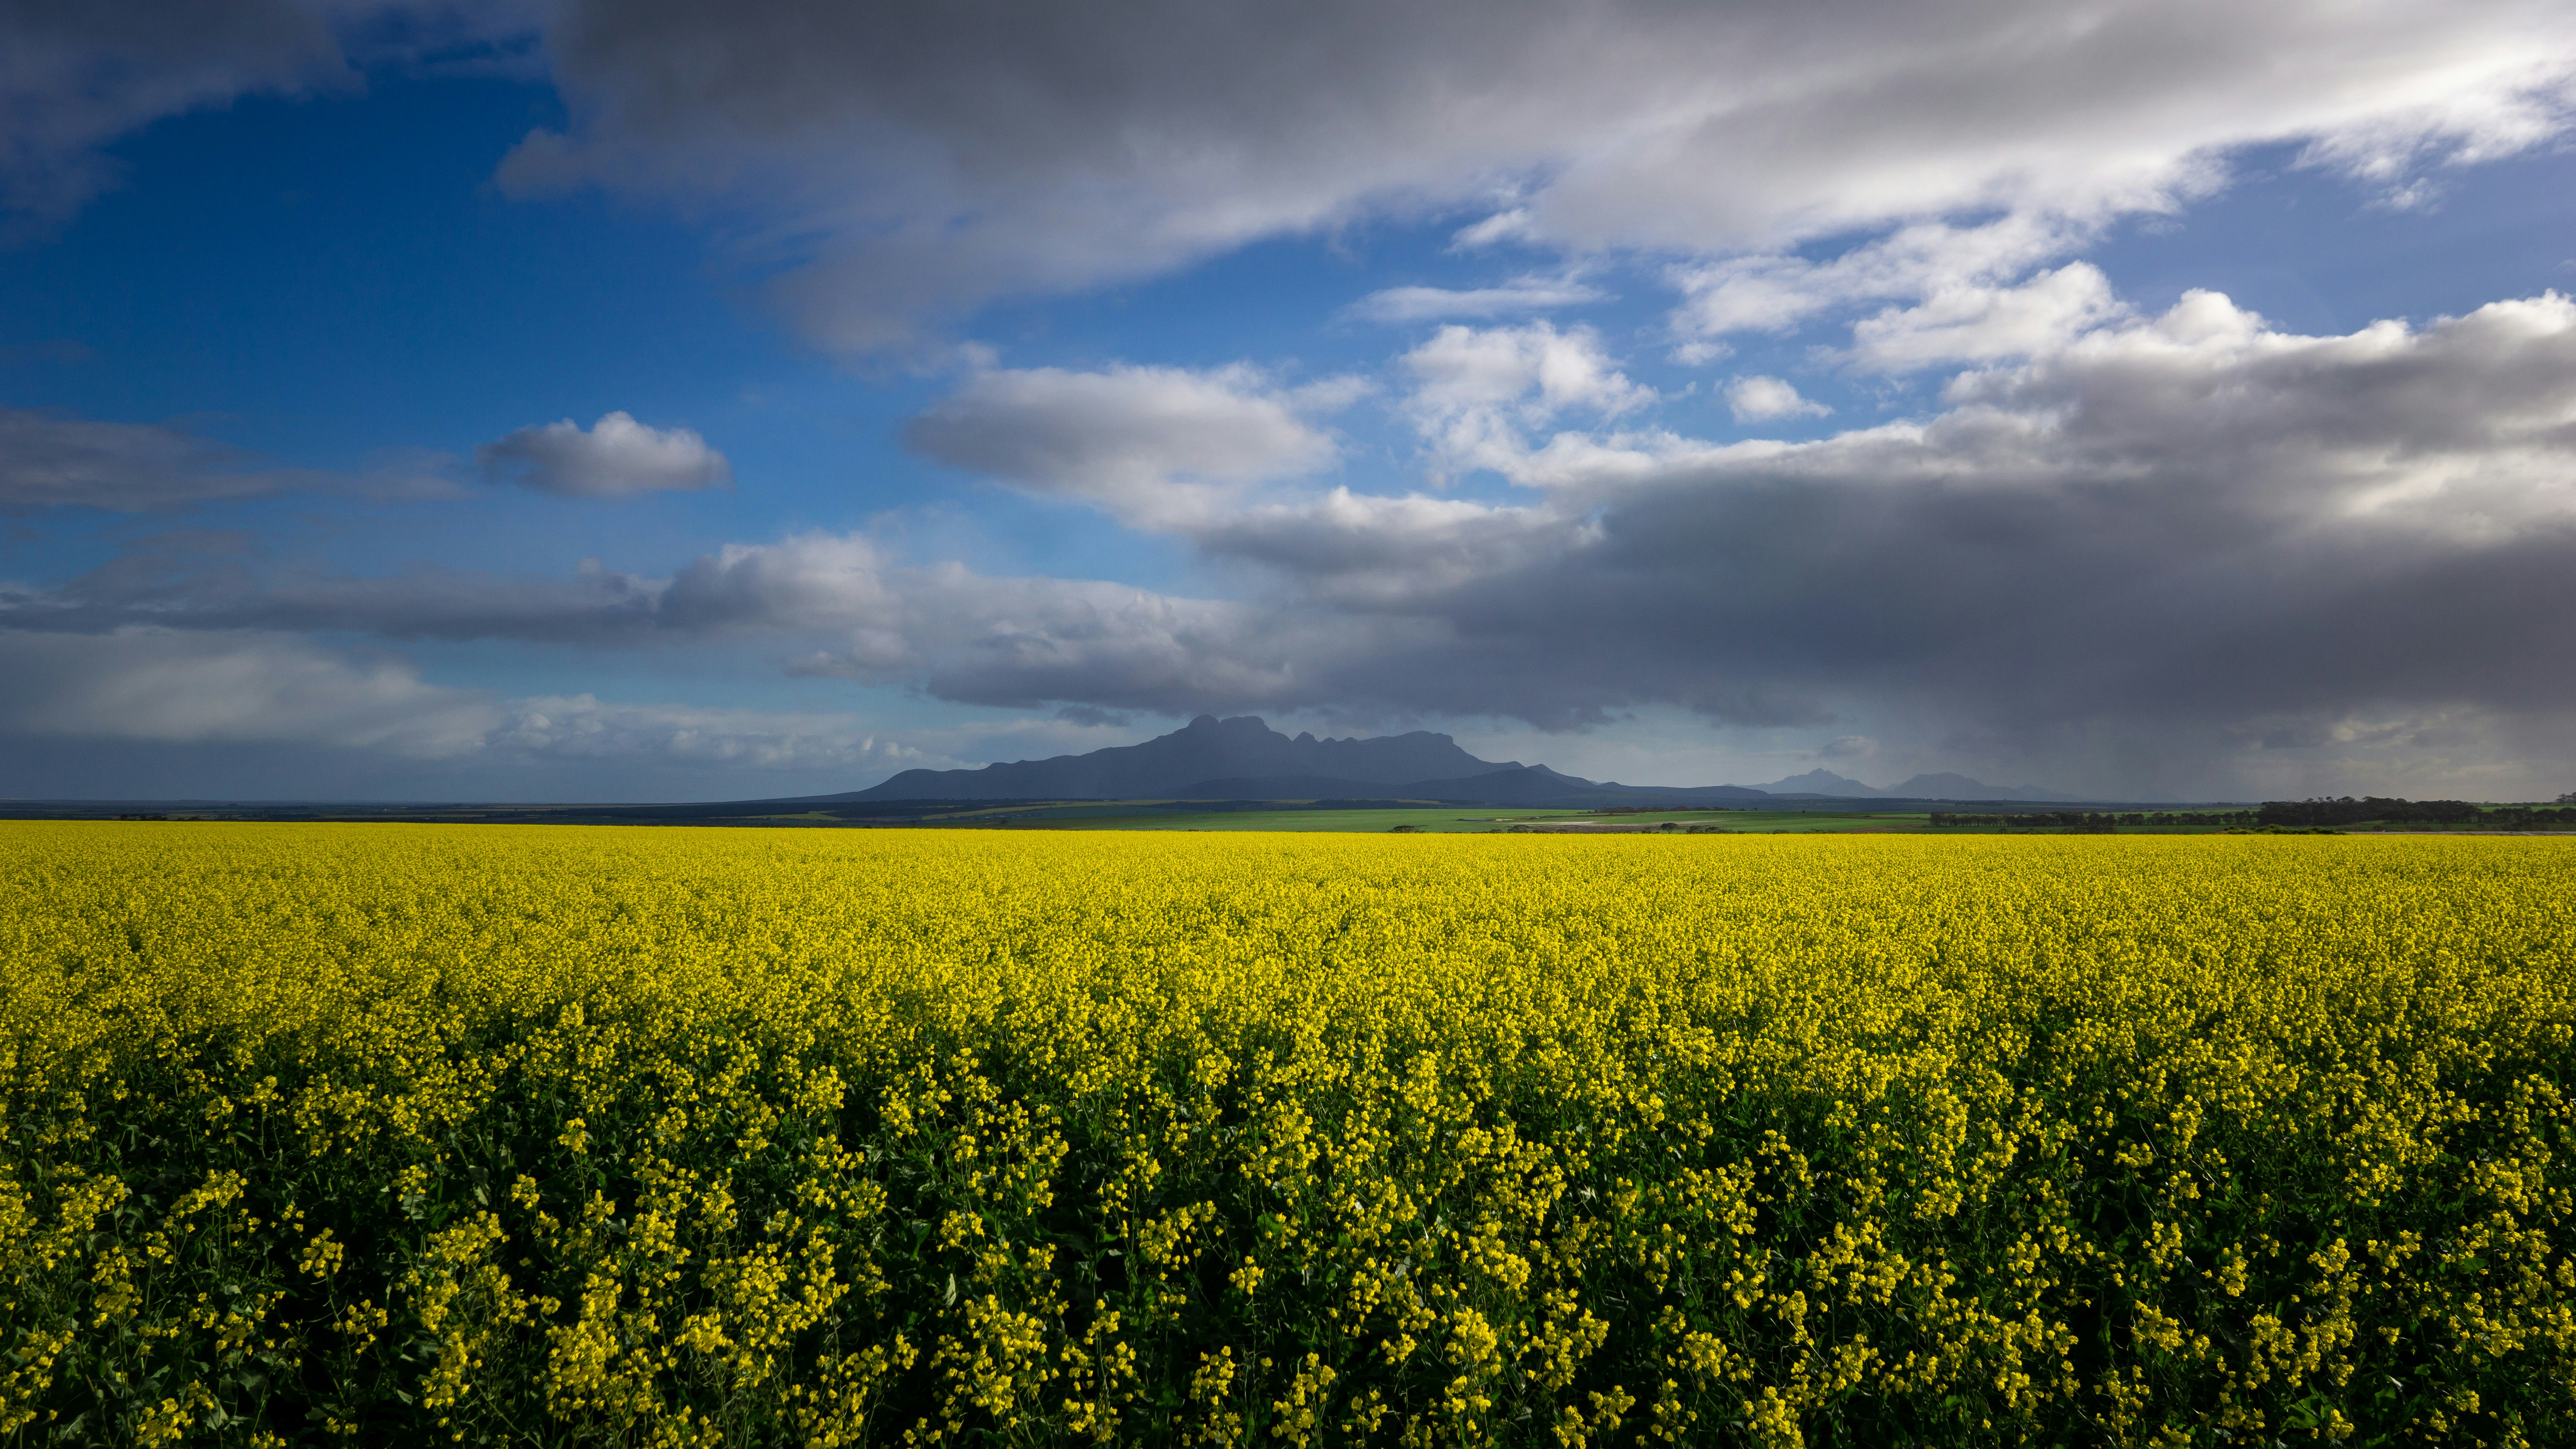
[(908, 167), (1534, 368), (1029, 642), (916, 165), (164, 685), (1758, 399), (1980, 324), (619, 457), (926, 162), (1477, 391), (244, 687), (1773, 293), (831, 585), (1376, 552), (1501, 226), (1512, 298), (1154, 445), (569, 727)]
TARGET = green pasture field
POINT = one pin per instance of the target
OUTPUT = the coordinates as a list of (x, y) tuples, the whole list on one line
[(1466, 819), (1447, 820), (1800, 822), (1473, 819)]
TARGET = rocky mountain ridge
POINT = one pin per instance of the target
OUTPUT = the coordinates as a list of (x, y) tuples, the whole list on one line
[(1244, 759)]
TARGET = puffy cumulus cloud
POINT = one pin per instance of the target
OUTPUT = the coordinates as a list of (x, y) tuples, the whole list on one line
[(54, 460), (76, 76), (1774, 292), (1968, 323), (2460, 430), (1478, 391), (1759, 399), (924, 158), (1150, 444), (617, 458)]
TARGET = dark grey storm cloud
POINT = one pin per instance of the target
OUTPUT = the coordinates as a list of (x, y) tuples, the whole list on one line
[(2189, 518), (927, 156)]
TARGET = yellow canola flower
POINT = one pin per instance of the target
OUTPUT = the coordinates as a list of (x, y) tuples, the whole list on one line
[(497, 1134)]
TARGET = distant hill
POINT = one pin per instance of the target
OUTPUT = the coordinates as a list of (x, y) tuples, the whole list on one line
[(1245, 759), (1819, 782), (1207, 748), (1508, 785)]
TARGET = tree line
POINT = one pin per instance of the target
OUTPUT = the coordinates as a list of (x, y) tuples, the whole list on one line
[(2300, 814)]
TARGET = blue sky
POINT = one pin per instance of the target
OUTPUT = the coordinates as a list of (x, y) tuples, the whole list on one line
[(2150, 401)]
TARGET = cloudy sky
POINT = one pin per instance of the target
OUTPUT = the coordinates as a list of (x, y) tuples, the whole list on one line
[(634, 399)]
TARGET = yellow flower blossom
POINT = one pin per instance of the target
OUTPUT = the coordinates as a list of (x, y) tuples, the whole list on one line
[(594, 1135)]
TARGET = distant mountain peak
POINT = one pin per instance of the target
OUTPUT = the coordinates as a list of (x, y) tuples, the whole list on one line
[(1820, 781), (1244, 758), (1206, 749)]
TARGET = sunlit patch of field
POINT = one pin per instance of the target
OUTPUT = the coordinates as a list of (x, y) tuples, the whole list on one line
[(1440, 820), (428, 1134), (1473, 820)]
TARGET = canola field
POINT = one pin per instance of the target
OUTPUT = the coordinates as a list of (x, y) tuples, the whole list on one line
[(561, 1135)]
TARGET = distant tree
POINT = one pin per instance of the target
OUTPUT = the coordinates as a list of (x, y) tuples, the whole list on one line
[(2567, 799), (2345, 810)]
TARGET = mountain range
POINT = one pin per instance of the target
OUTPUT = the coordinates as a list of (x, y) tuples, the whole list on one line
[(1244, 759)]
